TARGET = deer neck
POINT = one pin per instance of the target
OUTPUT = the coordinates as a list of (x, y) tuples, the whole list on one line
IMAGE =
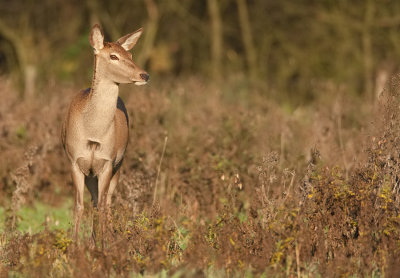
[(102, 103)]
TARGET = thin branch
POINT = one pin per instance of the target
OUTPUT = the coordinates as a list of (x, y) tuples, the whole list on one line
[(159, 169)]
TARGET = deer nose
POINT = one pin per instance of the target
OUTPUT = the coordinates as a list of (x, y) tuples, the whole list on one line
[(144, 76)]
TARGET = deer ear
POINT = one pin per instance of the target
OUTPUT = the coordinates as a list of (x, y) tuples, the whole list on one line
[(129, 41), (96, 38)]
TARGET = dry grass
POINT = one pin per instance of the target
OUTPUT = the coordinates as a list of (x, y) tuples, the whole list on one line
[(245, 186)]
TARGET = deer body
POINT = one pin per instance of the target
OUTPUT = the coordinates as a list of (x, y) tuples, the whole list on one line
[(95, 131)]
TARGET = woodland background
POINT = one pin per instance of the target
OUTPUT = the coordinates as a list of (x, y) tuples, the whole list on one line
[(286, 47), (264, 145)]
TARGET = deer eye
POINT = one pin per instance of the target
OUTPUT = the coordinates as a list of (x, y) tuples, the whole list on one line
[(114, 57)]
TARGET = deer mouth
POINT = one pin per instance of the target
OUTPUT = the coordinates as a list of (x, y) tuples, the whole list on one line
[(140, 83)]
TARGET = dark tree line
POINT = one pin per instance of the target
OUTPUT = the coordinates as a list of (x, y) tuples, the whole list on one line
[(288, 47)]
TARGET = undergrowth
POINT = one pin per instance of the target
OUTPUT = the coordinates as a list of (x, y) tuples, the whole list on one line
[(241, 192)]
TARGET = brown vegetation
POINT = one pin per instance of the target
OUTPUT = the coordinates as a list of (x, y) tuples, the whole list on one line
[(244, 186)]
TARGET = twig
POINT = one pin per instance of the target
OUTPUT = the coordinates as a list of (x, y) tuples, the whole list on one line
[(341, 144), (159, 168), (298, 260)]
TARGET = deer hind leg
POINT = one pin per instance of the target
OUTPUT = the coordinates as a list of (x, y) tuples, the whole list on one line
[(78, 179), (113, 184), (104, 180), (92, 185)]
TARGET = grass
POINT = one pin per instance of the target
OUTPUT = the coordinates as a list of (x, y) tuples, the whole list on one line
[(33, 219)]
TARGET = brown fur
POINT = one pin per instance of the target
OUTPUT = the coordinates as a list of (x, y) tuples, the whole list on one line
[(95, 132), (120, 123)]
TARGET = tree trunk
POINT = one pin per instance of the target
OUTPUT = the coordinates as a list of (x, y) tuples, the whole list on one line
[(150, 32), (367, 48), (245, 27), (216, 38), (99, 15), (24, 47)]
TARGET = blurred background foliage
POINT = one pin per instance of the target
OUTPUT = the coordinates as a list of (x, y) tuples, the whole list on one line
[(289, 50)]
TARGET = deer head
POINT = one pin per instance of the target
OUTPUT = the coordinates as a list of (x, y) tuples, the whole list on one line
[(113, 59)]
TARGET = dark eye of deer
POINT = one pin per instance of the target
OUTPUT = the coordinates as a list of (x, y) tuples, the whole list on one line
[(113, 57)]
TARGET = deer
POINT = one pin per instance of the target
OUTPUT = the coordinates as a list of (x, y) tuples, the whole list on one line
[(95, 131)]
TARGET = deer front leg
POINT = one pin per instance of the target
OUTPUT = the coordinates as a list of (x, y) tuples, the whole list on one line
[(78, 180)]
